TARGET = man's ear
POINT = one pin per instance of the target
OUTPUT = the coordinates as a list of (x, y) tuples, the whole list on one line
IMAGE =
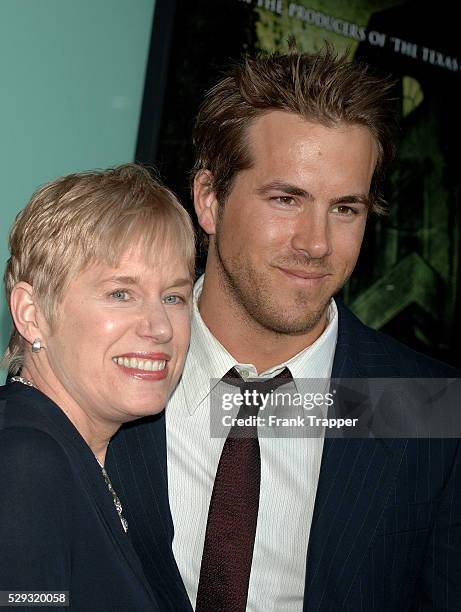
[(205, 202), (25, 313)]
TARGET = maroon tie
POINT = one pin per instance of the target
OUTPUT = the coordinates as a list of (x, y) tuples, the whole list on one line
[(233, 511)]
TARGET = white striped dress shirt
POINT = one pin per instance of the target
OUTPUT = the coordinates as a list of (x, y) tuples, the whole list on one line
[(289, 471)]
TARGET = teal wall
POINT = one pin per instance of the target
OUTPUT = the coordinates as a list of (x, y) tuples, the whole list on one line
[(71, 84)]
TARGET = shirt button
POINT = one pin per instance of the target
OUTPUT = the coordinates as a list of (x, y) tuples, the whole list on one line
[(244, 373)]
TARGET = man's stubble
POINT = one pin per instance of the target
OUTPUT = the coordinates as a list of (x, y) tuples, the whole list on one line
[(253, 292)]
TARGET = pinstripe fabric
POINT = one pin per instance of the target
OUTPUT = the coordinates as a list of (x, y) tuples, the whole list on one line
[(136, 462), (386, 529), (386, 532)]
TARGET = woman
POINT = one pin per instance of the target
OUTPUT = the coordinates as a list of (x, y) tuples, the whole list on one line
[(99, 284)]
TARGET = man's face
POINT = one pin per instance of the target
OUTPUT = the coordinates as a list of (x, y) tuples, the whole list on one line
[(290, 231)]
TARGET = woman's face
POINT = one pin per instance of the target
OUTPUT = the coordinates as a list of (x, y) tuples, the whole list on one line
[(118, 345)]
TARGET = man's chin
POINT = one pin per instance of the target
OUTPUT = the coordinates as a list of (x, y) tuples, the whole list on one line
[(306, 322)]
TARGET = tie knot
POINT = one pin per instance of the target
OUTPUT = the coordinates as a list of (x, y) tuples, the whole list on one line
[(254, 390), (264, 385)]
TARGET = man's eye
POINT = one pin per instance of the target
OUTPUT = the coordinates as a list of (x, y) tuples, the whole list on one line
[(283, 199), (120, 295), (345, 210), (173, 300), (286, 200)]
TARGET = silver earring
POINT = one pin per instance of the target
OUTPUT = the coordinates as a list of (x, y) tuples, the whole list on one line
[(36, 345)]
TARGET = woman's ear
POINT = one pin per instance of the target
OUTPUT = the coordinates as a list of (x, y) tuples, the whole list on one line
[(205, 202), (25, 312)]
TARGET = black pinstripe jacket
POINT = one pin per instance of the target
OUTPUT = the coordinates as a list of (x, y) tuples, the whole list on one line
[(386, 531)]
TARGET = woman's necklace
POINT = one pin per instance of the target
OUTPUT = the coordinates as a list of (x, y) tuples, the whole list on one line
[(118, 505), (22, 380)]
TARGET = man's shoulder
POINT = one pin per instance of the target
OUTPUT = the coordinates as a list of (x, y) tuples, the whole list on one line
[(376, 350), (146, 434), (407, 357)]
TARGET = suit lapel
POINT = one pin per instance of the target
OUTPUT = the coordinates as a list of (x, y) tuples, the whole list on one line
[(137, 459), (137, 462), (355, 479), (103, 502)]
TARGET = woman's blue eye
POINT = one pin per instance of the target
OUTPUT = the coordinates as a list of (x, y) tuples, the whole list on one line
[(120, 295), (173, 299)]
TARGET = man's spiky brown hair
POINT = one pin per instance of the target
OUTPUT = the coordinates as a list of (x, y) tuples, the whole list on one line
[(322, 87)]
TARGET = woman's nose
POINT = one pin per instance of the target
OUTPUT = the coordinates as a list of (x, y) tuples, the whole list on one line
[(156, 324)]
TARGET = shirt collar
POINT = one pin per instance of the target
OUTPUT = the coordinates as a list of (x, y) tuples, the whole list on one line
[(207, 360)]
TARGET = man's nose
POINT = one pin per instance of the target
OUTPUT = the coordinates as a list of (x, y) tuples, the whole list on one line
[(312, 234)]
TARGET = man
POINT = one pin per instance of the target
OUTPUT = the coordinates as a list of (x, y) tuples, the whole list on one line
[(290, 154)]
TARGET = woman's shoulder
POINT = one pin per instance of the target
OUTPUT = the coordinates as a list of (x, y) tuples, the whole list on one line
[(27, 436), (36, 504), (37, 485), (27, 407), (26, 443), (20, 402), (33, 459)]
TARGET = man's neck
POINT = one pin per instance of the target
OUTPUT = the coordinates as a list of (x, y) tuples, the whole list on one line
[(245, 339)]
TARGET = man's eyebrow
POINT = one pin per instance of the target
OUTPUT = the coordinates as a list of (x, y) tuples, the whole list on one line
[(287, 188), (353, 198)]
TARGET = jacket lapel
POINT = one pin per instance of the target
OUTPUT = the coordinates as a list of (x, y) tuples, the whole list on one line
[(355, 479), (137, 463), (103, 502)]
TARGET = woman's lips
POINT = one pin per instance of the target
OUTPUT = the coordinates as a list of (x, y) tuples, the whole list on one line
[(143, 366)]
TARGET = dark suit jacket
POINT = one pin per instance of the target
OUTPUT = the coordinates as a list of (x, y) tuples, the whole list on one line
[(386, 530), (59, 529)]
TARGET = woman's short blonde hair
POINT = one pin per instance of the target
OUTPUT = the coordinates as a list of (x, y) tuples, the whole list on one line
[(89, 217)]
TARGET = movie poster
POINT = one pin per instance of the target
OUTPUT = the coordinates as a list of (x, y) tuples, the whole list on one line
[(407, 280)]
